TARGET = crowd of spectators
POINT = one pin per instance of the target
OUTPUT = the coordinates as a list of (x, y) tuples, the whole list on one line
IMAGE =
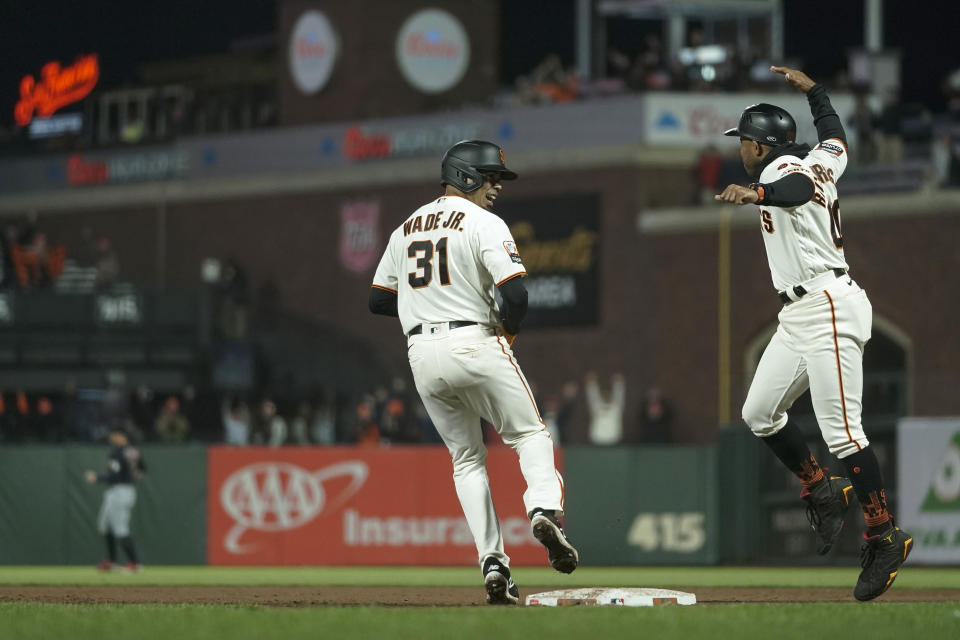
[(30, 260), (885, 130), (386, 415), (887, 137), (700, 66)]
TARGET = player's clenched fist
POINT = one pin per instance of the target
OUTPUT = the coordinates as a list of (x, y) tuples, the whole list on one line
[(738, 195), (795, 77)]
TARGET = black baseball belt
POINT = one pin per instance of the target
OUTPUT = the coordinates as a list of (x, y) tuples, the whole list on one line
[(455, 324), (799, 291)]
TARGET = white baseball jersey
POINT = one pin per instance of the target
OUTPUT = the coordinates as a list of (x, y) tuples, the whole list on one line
[(444, 261), (805, 241), (820, 338)]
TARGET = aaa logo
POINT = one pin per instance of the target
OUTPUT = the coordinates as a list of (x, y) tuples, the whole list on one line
[(944, 491), (278, 496)]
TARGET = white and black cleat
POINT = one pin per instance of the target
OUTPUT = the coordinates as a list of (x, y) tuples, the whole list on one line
[(563, 556), (498, 583)]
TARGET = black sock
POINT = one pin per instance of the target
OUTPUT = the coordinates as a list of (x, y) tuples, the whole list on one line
[(789, 445), (864, 472), (127, 544), (111, 546)]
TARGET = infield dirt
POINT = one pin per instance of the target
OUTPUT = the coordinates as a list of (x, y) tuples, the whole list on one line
[(304, 596)]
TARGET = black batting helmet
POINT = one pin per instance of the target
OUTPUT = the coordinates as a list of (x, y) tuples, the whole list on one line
[(765, 123), (470, 158)]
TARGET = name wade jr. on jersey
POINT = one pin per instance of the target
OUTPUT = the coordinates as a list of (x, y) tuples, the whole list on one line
[(453, 243)]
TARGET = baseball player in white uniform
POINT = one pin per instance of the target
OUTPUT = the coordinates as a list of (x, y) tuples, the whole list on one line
[(438, 275), (824, 324)]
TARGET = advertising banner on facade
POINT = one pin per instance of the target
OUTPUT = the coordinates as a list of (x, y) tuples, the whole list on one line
[(354, 506), (280, 151), (559, 243), (698, 119), (433, 50), (928, 487), (360, 234), (312, 51)]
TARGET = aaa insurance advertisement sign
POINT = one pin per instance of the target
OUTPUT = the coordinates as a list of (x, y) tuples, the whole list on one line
[(928, 487), (353, 506)]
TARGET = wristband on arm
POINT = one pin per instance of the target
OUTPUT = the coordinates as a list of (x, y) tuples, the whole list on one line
[(761, 192)]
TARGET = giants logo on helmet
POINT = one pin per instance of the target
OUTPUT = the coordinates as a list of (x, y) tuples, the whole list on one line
[(278, 496)]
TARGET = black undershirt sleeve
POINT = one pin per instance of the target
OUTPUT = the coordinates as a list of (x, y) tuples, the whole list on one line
[(789, 191), (514, 307), (824, 117), (383, 302)]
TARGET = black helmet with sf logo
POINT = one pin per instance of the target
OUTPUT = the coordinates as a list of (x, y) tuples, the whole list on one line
[(464, 162), (765, 123)]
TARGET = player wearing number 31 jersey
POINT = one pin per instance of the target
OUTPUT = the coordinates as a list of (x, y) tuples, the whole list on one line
[(824, 324), (439, 273)]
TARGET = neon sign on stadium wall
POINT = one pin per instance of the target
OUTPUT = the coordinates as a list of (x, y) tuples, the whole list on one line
[(58, 86)]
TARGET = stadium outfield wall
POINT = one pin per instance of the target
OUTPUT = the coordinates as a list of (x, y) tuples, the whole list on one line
[(655, 505), (353, 506)]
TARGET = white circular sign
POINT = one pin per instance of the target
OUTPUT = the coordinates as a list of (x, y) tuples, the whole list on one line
[(433, 50), (313, 50)]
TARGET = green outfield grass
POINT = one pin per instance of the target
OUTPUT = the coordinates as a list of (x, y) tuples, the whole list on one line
[(851, 620), (743, 622), (910, 578)]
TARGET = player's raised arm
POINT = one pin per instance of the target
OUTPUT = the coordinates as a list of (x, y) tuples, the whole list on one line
[(789, 191), (824, 117)]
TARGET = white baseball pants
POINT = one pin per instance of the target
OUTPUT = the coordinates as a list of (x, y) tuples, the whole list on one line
[(114, 516), (818, 344), (470, 373)]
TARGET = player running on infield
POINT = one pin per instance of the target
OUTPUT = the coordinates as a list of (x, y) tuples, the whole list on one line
[(438, 275), (823, 326), (124, 465)]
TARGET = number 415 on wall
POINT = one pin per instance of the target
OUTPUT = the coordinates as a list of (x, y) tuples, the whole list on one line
[(681, 532)]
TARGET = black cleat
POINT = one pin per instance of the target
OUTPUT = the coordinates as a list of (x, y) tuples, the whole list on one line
[(563, 557), (881, 557), (498, 583), (827, 504)]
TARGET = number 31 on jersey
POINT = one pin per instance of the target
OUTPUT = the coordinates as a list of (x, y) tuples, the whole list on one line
[(423, 251)]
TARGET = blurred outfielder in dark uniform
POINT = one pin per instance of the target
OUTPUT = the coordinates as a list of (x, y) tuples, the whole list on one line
[(824, 325), (124, 466)]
